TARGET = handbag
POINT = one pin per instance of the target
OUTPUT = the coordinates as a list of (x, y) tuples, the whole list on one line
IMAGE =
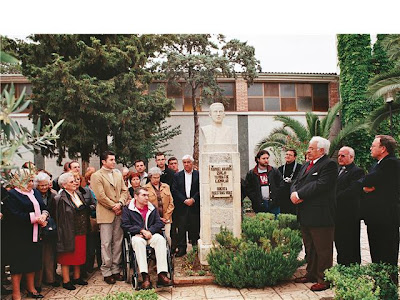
[(50, 230)]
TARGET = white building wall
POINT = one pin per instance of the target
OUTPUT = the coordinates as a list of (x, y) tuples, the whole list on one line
[(260, 125)]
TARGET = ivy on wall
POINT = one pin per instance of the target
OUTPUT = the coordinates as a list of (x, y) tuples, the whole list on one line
[(355, 62), (382, 64), (358, 63)]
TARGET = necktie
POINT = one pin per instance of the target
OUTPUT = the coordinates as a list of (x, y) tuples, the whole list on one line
[(310, 166), (342, 169)]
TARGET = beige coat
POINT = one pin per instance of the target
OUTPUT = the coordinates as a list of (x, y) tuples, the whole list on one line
[(108, 194), (166, 197)]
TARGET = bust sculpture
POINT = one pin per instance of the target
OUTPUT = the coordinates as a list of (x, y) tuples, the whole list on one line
[(217, 133)]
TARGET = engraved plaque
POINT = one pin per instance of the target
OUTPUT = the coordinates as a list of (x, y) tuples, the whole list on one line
[(221, 181)]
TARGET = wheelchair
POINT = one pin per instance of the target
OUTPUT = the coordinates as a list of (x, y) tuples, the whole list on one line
[(130, 269)]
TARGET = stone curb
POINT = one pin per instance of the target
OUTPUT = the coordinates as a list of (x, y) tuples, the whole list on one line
[(190, 280)]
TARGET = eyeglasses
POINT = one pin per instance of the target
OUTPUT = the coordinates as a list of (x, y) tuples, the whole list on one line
[(342, 155)]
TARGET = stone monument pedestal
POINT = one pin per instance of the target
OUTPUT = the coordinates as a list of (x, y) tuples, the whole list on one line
[(220, 194)]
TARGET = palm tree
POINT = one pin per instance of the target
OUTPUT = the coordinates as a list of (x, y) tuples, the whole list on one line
[(293, 134), (387, 85)]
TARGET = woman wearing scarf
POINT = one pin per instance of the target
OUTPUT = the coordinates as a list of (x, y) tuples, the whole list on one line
[(72, 218), (27, 215)]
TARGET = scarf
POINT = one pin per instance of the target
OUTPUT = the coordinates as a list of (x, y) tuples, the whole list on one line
[(33, 215)]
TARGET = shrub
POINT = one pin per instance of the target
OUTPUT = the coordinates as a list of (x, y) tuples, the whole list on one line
[(192, 265), (139, 295), (370, 282), (266, 253)]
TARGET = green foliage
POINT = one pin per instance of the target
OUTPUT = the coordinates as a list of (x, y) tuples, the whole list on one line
[(200, 59), (246, 205), (192, 265), (98, 84), (16, 139), (372, 281), (139, 295), (386, 83), (294, 135), (266, 253), (380, 59), (9, 64), (355, 62)]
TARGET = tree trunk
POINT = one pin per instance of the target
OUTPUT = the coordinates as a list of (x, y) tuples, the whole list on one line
[(85, 162), (196, 130), (103, 146)]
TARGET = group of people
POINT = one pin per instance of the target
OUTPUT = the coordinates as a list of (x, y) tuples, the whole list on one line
[(90, 213), (330, 199), (73, 219)]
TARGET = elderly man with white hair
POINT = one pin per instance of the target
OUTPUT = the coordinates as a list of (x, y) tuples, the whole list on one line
[(314, 193), (186, 216), (348, 197)]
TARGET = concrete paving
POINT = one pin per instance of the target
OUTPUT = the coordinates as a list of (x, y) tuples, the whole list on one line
[(285, 290)]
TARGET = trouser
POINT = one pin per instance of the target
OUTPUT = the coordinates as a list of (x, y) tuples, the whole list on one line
[(93, 250), (111, 236), (189, 222), (318, 243), (158, 243), (383, 243), (273, 210), (49, 264), (347, 242)]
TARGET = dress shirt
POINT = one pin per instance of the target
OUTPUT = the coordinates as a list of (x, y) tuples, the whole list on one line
[(188, 183)]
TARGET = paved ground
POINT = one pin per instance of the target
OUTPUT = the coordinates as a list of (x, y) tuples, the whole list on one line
[(286, 290)]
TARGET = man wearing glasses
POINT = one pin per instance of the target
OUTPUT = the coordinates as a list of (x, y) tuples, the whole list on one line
[(347, 224)]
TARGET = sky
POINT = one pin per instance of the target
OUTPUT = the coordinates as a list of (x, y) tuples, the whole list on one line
[(288, 36), (294, 53)]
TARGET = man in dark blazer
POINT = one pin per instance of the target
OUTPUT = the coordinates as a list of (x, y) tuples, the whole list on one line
[(347, 225), (314, 193), (167, 175), (381, 204), (186, 216)]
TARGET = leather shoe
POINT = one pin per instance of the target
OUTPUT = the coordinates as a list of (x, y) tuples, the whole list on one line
[(69, 286), (34, 295), (319, 287), (146, 284), (79, 281), (180, 253), (303, 279), (109, 279), (118, 277), (163, 280)]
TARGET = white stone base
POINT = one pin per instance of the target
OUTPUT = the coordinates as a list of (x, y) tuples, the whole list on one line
[(204, 249)]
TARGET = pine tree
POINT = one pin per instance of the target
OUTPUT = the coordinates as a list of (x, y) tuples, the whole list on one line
[(98, 84)]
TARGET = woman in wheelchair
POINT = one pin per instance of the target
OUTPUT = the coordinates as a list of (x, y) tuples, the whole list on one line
[(142, 220)]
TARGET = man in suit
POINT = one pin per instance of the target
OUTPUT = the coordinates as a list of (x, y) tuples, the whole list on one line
[(314, 193), (381, 204), (347, 224), (290, 171), (111, 194), (186, 216)]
